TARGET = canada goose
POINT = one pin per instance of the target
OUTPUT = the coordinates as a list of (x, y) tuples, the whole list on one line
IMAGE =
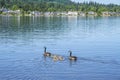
[(46, 53), (72, 57)]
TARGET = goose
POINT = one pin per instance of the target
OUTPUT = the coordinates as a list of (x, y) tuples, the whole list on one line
[(48, 54), (72, 57)]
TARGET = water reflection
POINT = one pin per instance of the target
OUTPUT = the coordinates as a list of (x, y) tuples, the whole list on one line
[(94, 40), (72, 62), (53, 27)]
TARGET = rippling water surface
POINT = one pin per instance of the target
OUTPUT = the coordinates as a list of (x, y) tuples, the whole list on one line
[(94, 40)]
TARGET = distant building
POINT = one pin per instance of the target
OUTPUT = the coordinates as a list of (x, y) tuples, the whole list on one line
[(9, 12), (13, 12), (118, 13), (92, 13), (73, 13), (35, 13), (57, 13), (4, 9), (81, 14), (112, 13), (105, 13), (47, 13), (64, 13)]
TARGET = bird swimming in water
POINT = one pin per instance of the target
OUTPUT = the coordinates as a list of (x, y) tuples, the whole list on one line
[(72, 57), (48, 54), (57, 58)]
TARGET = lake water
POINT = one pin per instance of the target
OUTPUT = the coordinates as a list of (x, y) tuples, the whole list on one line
[(94, 40)]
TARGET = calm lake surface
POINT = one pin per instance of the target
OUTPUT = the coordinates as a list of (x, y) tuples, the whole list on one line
[(94, 40)]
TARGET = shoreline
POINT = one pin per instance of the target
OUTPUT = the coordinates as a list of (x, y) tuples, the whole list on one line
[(65, 13), (60, 15)]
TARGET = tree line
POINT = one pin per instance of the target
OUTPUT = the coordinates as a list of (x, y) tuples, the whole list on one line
[(57, 5)]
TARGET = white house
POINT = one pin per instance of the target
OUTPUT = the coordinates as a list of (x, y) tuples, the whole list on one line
[(82, 14), (73, 13), (92, 13), (35, 13), (106, 13)]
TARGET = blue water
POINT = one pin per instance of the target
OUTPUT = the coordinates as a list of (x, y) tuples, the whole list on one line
[(94, 40)]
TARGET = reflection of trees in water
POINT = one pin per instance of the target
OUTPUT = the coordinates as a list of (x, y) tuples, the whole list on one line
[(52, 28), (28, 24), (48, 25)]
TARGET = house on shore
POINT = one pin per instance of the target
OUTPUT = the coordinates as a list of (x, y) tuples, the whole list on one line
[(10, 12), (81, 14), (91, 13), (114, 13), (17, 12), (106, 13), (4, 10), (118, 13), (64, 13), (48, 13), (72, 13), (35, 13)]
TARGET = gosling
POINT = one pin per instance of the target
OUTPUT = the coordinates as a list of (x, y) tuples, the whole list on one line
[(57, 58)]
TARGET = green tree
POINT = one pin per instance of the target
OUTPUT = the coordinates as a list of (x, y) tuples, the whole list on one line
[(15, 7)]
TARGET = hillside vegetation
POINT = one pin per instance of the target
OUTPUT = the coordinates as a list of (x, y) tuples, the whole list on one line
[(57, 5)]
